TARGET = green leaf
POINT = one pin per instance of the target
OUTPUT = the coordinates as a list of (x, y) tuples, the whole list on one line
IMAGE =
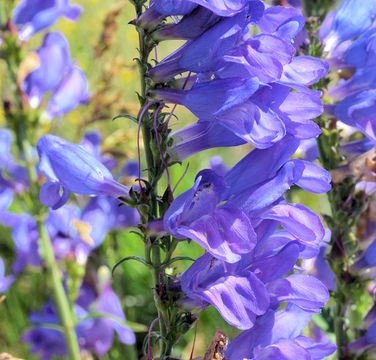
[(137, 258), (126, 116), (178, 258)]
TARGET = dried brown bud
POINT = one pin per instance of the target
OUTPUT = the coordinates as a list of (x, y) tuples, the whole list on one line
[(362, 167), (218, 346)]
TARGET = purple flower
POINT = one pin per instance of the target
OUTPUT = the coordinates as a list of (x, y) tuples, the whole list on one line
[(278, 336), (97, 335), (94, 334), (243, 83), (206, 52), (47, 342), (359, 110), (173, 7), (238, 296), (254, 194), (190, 27), (319, 267), (352, 18), (362, 51), (71, 92), (356, 94), (54, 61), (284, 22), (364, 343), (183, 7), (218, 95), (247, 289), (25, 236), (72, 168), (35, 15)]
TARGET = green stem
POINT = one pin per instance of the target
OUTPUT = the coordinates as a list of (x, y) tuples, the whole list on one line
[(60, 298), (157, 269), (340, 223), (61, 301), (156, 256), (339, 320)]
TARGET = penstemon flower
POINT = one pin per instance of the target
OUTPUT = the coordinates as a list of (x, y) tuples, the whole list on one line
[(239, 73), (57, 74), (54, 59), (242, 77), (72, 168), (229, 230), (35, 15), (278, 336), (94, 334)]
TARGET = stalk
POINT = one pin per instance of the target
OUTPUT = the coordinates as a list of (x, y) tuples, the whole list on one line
[(65, 313), (152, 252), (346, 209), (173, 322), (64, 310), (61, 301)]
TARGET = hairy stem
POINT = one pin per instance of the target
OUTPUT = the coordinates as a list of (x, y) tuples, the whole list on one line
[(157, 269)]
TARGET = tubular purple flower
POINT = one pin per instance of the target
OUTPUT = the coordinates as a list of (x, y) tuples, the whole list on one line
[(262, 56), (71, 167), (36, 15), (277, 336), (5, 143), (304, 70), (239, 297), (54, 60), (200, 136), (189, 27), (228, 231), (204, 53), (352, 18), (284, 22), (303, 290), (206, 100), (359, 110), (184, 7), (362, 80), (225, 232), (94, 334), (71, 92), (362, 52), (174, 7)]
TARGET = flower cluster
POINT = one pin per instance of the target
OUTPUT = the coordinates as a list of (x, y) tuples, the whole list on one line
[(55, 72), (356, 60), (95, 334), (74, 233), (238, 85), (244, 88)]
